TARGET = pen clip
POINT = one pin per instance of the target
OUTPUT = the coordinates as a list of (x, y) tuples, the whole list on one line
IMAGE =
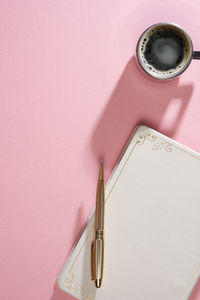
[(92, 261)]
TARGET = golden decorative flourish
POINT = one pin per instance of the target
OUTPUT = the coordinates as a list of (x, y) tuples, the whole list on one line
[(157, 145), (85, 295), (141, 140), (169, 148), (69, 285), (150, 137)]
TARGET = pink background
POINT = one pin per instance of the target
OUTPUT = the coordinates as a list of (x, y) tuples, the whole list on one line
[(71, 93)]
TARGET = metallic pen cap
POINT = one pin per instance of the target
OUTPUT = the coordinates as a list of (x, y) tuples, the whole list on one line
[(98, 283)]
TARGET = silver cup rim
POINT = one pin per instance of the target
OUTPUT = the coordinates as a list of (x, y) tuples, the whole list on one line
[(171, 76)]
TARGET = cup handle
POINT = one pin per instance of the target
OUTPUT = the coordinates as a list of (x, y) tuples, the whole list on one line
[(196, 55)]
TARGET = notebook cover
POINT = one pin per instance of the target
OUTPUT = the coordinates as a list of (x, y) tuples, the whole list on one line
[(152, 226)]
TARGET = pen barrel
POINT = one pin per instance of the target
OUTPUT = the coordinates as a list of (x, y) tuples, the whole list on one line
[(99, 256), (100, 203)]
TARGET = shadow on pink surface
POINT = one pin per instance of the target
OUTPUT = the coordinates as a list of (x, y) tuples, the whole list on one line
[(138, 99)]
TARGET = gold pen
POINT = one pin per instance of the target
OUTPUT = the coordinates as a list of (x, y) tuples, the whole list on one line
[(97, 249)]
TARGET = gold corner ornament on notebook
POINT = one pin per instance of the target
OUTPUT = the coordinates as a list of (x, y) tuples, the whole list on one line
[(97, 247)]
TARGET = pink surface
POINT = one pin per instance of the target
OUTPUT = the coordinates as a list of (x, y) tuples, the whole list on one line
[(71, 93)]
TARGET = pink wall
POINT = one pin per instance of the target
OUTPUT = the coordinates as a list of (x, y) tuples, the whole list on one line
[(70, 93)]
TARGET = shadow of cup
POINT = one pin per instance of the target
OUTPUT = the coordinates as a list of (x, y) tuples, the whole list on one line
[(137, 99)]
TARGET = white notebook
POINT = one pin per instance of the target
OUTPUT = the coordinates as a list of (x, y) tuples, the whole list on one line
[(152, 226)]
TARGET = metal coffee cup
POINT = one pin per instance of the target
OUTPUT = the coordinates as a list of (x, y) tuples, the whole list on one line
[(180, 49)]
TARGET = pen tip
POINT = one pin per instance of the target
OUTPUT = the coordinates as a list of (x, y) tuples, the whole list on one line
[(101, 173)]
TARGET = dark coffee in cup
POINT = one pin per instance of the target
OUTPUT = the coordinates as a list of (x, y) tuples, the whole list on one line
[(165, 50)]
